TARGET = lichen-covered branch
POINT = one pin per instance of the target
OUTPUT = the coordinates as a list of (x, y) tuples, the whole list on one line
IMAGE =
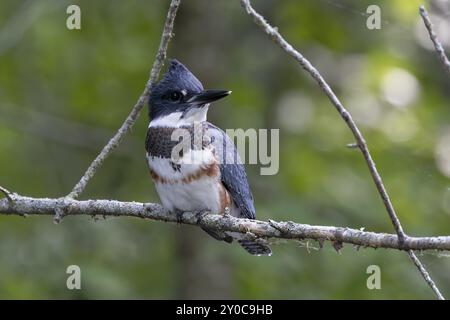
[(134, 114), (277, 38), (437, 44), (26, 206)]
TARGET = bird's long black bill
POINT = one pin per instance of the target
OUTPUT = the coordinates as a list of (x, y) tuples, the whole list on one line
[(208, 96)]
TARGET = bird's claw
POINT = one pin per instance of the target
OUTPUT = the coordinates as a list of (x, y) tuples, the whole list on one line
[(200, 214), (179, 215)]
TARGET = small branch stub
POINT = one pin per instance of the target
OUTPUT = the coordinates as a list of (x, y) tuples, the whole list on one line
[(7, 193)]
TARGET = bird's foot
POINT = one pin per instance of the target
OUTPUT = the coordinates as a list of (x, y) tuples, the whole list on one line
[(200, 215), (179, 215)]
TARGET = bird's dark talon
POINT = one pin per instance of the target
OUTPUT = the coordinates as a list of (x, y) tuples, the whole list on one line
[(200, 215), (179, 215)]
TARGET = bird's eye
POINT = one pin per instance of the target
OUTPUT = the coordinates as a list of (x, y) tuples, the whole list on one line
[(175, 96)]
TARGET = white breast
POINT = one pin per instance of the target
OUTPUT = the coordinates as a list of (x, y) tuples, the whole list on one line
[(202, 194), (186, 185)]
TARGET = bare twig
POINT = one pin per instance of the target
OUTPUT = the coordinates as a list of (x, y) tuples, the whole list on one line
[(7, 193), (425, 274), (272, 229), (134, 114), (346, 116), (446, 63), (437, 44)]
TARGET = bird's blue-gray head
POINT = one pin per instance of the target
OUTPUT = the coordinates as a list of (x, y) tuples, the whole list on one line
[(179, 98)]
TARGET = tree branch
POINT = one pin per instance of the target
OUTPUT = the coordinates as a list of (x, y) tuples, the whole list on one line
[(27, 206), (346, 116), (437, 44), (134, 114)]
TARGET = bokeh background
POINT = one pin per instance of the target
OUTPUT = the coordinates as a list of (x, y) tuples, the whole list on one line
[(63, 93)]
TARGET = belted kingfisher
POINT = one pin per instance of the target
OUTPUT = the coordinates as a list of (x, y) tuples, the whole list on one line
[(204, 176)]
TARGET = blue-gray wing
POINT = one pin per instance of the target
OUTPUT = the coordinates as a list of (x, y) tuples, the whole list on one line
[(232, 171)]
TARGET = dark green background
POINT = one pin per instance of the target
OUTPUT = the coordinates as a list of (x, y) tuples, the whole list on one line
[(64, 93)]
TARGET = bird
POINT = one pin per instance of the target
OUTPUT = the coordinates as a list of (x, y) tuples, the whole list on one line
[(206, 175)]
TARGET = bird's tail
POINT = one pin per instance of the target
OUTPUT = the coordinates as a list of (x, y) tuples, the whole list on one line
[(257, 247)]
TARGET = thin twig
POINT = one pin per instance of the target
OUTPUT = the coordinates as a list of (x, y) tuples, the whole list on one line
[(134, 114), (346, 116), (271, 229), (278, 39), (425, 274), (7, 193), (446, 64), (437, 44)]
